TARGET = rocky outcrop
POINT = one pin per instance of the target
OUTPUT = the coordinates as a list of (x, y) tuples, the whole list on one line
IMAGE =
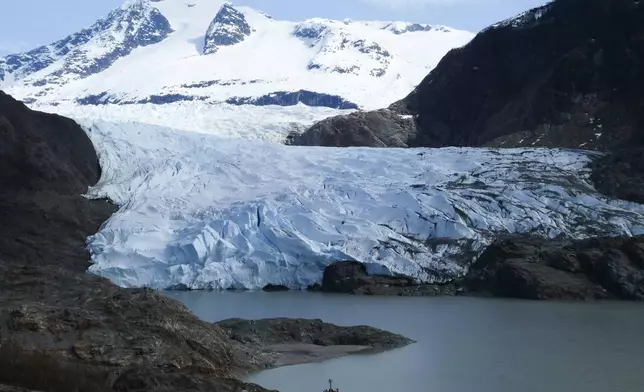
[(291, 98), (279, 98), (535, 268), (403, 28), (381, 128), (620, 174), (43, 151), (521, 267), (228, 28), (47, 163), (351, 277), (568, 74)]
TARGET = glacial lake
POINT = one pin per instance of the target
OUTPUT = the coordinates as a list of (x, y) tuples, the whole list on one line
[(464, 344)]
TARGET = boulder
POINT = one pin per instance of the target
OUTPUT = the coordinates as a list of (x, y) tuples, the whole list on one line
[(351, 277), (380, 128)]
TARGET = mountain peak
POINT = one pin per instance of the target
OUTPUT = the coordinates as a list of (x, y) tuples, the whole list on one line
[(399, 28), (127, 4), (136, 23), (213, 51), (229, 27)]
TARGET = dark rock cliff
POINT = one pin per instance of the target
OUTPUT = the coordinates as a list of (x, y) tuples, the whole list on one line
[(47, 163), (568, 74), (534, 268), (521, 267), (620, 174), (291, 98)]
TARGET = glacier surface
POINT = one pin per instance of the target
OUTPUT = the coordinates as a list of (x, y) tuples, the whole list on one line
[(202, 211)]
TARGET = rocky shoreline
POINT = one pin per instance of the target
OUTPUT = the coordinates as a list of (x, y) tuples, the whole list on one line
[(62, 329), (521, 267)]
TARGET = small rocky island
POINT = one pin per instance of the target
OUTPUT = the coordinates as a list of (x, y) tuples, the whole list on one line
[(62, 329)]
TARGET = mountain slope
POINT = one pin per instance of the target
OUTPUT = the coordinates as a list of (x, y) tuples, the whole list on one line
[(180, 50), (568, 74)]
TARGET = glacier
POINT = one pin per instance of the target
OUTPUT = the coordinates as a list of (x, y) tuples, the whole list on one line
[(202, 211)]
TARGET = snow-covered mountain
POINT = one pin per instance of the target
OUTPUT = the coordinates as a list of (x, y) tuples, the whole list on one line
[(160, 51)]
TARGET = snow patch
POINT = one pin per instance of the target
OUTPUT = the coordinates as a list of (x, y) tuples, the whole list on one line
[(269, 123), (525, 19)]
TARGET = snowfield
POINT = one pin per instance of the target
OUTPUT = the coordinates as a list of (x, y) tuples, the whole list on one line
[(270, 123), (206, 212)]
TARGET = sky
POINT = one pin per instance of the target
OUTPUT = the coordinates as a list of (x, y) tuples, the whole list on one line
[(26, 24)]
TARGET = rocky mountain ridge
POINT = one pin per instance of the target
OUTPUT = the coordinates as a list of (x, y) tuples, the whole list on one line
[(567, 74), (228, 28)]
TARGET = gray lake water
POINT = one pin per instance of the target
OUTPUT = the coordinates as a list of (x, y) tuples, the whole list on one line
[(464, 344)]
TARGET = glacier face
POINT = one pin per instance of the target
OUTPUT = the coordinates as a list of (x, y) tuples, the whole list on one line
[(208, 50), (201, 211)]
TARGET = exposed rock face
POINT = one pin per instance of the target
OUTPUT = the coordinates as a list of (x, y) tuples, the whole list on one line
[(521, 267), (548, 269), (274, 288), (351, 277), (568, 74), (381, 128), (228, 28), (86, 318), (407, 28), (49, 151), (280, 98), (47, 163), (620, 174), (291, 98)]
